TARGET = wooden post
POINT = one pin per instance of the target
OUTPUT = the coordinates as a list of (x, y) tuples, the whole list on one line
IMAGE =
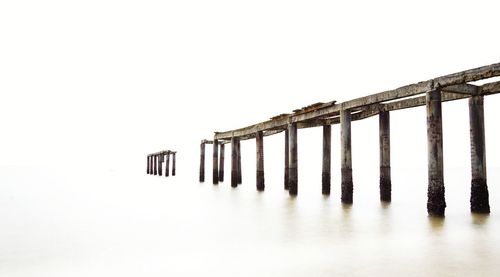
[(202, 162), (147, 170), (346, 157), (287, 155), (156, 164), (221, 163), (436, 203), (385, 156), (151, 157), (215, 164), (327, 153), (173, 163), (160, 164), (479, 197), (239, 161), (234, 162), (259, 139), (292, 163), (167, 167)]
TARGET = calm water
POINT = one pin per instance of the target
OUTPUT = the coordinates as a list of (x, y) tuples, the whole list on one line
[(133, 224)]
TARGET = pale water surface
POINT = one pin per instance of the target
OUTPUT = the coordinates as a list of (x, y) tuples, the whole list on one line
[(133, 224)]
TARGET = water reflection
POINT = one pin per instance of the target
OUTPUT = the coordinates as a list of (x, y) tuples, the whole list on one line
[(224, 230), (479, 219), (436, 224)]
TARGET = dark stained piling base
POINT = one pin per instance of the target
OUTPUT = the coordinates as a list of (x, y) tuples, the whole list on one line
[(234, 179), (325, 183), (260, 181), (436, 203), (346, 186), (385, 189), (479, 199), (292, 185)]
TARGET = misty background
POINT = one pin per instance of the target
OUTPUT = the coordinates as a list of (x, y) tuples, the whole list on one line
[(89, 88)]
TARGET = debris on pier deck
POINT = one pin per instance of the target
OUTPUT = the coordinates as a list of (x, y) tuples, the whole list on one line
[(430, 93), (155, 161)]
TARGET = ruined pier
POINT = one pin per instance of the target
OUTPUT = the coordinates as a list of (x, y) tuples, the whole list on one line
[(431, 93), (155, 163)]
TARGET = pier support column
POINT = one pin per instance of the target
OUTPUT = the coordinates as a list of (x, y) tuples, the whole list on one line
[(259, 138), (215, 163), (234, 162), (239, 161), (479, 197), (436, 203), (202, 162), (167, 167), (173, 164), (292, 162), (385, 156), (147, 170), (155, 164), (327, 153), (287, 157), (221, 163), (150, 165), (160, 165), (346, 157)]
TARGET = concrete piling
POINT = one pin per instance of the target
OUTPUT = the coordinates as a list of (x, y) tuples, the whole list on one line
[(436, 203), (479, 198), (259, 138), (385, 156), (346, 158)]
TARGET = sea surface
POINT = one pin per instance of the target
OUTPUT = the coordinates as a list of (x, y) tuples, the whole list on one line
[(128, 223)]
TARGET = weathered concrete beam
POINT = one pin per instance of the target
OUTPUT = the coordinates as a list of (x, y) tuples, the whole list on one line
[(329, 109), (466, 89), (490, 88)]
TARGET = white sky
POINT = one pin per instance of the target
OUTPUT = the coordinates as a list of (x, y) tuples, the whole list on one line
[(102, 83)]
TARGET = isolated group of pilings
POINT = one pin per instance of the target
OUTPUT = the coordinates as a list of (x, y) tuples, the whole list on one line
[(436, 201), (155, 163)]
